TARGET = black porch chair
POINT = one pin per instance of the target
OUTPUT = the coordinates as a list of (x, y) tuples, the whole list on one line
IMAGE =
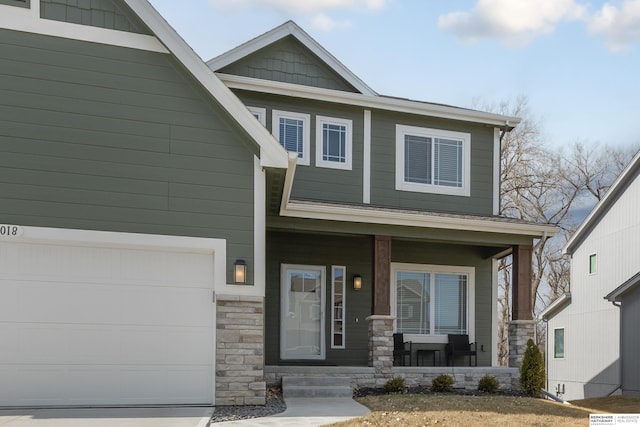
[(459, 346), (400, 349)]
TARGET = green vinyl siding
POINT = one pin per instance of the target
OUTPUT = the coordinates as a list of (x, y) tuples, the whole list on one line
[(312, 182), (354, 252), (106, 138), (288, 61), (407, 251), (110, 14), (383, 167)]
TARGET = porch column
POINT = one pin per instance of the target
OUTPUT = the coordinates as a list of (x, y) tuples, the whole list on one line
[(522, 308), (239, 351), (381, 275), (522, 327), (381, 346), (381, 321)]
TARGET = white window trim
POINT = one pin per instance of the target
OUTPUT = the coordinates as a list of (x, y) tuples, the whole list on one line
[(470, 272), (592, 273), (348, 124), (306, 133), (401, 184), (261, 113), (333, 304), (564, 343)]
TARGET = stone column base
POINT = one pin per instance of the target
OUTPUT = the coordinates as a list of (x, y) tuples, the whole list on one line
[(381, 344), (520, 331), (239, 351)]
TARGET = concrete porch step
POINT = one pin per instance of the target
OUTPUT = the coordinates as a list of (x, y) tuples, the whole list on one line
[(301, 386)]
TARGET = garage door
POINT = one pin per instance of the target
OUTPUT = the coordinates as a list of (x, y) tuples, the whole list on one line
[(105, 323)]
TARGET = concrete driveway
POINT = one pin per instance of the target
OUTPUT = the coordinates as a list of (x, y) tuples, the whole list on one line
[(112, 417)]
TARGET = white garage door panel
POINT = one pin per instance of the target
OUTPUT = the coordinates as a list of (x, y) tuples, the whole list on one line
[(85, 325)]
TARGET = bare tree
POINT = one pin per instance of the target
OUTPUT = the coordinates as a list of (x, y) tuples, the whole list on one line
[(545, 185)]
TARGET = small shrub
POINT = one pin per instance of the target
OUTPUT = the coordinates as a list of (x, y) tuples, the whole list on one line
[(395, 385), (488, 384), (532, 373), (442, 383)]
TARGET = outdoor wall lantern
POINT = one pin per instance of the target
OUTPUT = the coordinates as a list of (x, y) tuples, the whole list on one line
[(357, 282), (240, 272)]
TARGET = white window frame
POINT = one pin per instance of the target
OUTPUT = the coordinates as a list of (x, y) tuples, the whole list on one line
[(260, 114), (401, 184), (306, 131), (595, 257), (470, 272), (564, 343), (348, 124), (334, 318)]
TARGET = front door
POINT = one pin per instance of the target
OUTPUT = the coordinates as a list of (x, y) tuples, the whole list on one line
[(302, 312)]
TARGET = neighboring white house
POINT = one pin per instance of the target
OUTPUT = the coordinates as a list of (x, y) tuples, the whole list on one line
[(583, 328)]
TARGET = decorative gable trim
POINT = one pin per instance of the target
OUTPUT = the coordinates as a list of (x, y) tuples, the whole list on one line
[(271, 153), (27, 19), (278, 33)]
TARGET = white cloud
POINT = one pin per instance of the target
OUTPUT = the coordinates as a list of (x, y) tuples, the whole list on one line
[(326, 23), (301, 6), (619, 26), (516, 22)]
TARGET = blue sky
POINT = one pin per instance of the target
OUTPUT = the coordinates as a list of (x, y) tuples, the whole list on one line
[(577, 62)]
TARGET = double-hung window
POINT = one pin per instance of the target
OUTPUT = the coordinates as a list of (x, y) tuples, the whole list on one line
[(433, 161), (333, 143), (292, 131), (431, 301)]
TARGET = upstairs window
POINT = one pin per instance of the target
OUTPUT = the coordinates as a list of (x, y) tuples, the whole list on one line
[(260, 114), (593, 264), (333, 143), (292, 131), (433, 161)]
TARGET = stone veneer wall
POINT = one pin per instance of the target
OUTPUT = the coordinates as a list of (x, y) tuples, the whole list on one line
[(239, 351), (366, 377), (520, 331)]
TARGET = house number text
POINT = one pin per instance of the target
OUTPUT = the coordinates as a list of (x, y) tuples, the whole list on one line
[(7, 230)]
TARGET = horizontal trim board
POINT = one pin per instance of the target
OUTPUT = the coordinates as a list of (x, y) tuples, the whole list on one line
[(377, 102)]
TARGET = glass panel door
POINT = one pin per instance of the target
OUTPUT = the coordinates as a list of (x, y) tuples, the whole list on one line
[(302, 312)]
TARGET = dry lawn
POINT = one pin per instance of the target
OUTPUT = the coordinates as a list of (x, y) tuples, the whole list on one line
[(455, 410)]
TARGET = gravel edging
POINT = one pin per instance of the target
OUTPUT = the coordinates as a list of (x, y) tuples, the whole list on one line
[(274, 404)]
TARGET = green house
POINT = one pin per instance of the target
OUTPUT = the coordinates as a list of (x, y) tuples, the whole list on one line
[(175, 232)]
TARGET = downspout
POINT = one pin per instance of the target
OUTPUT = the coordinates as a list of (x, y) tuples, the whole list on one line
[(618, 304)]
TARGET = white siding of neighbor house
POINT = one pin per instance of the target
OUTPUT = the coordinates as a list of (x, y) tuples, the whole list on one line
[(591, 366)]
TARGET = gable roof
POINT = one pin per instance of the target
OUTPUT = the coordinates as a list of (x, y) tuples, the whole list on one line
[(272, 154), (290, 28), (619, 186), (555, 307), (617, 294)]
